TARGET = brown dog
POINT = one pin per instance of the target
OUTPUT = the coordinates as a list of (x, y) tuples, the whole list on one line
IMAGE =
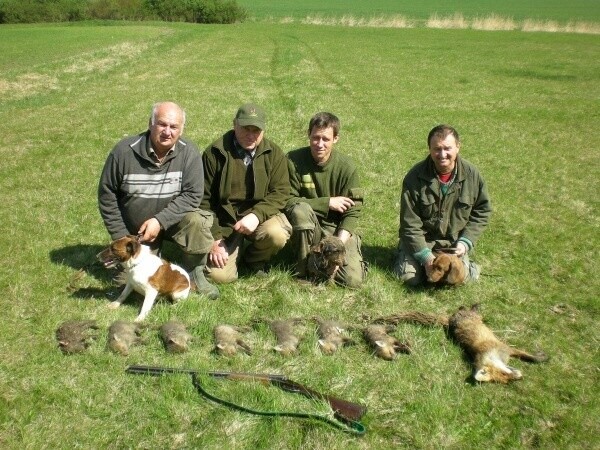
[(325, 258), (447, 269)]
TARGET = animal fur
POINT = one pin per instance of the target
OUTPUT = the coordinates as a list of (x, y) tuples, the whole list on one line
[(384, 345), (488, 353), (228, 339), (287, 340), (332, 336), (325, 258), (447, 269), (175, 337), (75, 336), (123, 335), (414, 317), (146, 273)]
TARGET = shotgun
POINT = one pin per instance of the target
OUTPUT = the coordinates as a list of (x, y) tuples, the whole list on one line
[(344, 411)]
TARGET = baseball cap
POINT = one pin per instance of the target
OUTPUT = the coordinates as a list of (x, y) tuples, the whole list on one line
[(251, 114)]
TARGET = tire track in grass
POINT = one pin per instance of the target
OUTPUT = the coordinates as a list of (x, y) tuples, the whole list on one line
[(306, 82)]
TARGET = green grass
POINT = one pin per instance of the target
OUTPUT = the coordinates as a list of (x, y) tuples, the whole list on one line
[(526, 105), (421, 10)]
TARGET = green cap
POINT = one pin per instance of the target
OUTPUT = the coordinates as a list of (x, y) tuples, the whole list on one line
[(251, 114)]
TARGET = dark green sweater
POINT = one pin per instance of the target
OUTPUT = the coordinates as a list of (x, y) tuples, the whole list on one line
[(316, 184)]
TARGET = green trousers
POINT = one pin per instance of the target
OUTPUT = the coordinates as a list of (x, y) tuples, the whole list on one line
[(307, 231)]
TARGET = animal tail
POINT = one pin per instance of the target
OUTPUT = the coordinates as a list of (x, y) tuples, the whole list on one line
[(417, 317), (528, 357)]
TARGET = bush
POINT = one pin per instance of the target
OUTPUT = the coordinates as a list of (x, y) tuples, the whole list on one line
[(116, 9), (196, 11), (32, 11), (217, 11)]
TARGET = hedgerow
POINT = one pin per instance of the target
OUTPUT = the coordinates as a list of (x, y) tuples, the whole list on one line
[(196, 11)]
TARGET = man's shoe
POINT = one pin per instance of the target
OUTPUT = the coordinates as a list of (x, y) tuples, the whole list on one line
[(259, 269), (201, 285)]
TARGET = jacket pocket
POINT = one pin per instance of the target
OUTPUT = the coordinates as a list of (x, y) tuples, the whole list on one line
[(463, 208), (429, 211)]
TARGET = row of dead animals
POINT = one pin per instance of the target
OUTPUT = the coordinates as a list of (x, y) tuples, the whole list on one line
[(75, 336), (488, 354)]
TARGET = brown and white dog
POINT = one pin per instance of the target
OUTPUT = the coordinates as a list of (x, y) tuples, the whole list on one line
[(146, 273)]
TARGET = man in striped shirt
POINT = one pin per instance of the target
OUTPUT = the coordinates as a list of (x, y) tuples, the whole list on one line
[(152, 185)]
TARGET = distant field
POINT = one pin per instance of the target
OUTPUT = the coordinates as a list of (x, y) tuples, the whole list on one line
[(560, 10)]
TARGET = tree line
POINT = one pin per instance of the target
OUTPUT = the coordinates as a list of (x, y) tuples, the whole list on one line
[(194, 11)]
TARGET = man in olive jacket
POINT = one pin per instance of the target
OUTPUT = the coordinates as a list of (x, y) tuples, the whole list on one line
[(444, 204), (246, 185)]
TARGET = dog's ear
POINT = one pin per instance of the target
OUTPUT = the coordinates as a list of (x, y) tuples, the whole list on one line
[(456, 271), (131, 246)]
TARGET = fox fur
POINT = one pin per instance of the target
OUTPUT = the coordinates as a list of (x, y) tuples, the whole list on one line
[(488, 353)]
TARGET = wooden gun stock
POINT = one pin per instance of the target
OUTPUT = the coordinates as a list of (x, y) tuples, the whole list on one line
[(342, 408)]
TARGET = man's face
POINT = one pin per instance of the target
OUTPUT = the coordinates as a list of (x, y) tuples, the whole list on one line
[(249, 137), (167, 127), (444, 153), (321, 144)]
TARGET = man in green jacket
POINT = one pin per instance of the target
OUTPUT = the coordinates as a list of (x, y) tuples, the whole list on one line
[(246, 186), (444, 204), (326, 199)]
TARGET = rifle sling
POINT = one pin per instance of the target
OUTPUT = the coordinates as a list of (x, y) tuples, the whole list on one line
[(342, 423)]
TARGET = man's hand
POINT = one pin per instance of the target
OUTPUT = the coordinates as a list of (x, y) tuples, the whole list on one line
[(340, 204), (219, 255), (247, 224), (149, 230), (461, 249)]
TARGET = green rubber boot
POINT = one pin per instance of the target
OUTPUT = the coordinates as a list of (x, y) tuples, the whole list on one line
[(195, 265)]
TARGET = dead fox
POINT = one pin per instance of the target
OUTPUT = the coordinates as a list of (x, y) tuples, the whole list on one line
[(332, 335), (74, 336), (175, 337), (122, 335), (489, 354), (385, 346), (228, 338)]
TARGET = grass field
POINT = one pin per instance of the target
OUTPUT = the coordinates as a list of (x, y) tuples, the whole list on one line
[(525, 104)]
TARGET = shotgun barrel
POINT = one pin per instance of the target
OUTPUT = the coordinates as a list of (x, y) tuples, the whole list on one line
[(342, 408)]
